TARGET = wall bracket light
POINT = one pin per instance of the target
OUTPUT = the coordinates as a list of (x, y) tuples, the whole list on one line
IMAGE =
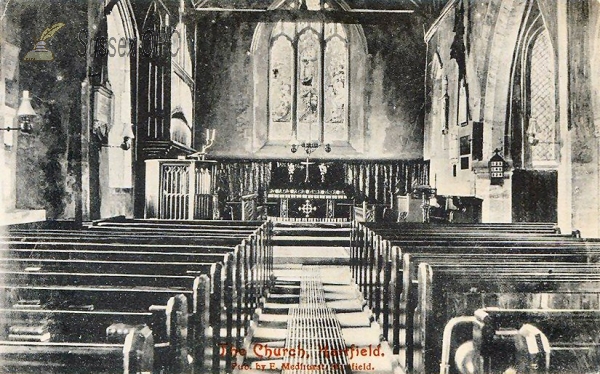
[(25, 115)]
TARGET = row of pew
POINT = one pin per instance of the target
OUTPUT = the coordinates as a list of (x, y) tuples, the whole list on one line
[(482, 298), (130, 296)]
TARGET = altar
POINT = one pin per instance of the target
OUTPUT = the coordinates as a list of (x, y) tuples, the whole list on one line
[(308, 190), (308, 204)]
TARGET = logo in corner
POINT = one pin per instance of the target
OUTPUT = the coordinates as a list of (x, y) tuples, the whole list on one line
[(40, 52)]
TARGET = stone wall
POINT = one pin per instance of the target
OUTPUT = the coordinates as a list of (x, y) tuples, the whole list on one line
[(390, 101), (492, 37), (45, 176)]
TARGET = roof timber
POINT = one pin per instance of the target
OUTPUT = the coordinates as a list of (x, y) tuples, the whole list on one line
[(295, 15)]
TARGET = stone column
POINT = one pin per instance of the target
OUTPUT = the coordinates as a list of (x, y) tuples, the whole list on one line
[(565, 197)]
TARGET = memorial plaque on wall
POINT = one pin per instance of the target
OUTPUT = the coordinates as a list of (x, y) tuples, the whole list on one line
[(103, 112)]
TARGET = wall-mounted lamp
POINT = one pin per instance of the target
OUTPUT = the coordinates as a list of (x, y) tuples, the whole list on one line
[(102, 129), (25, 115), (531, 132), (497, 168), (128, 137)]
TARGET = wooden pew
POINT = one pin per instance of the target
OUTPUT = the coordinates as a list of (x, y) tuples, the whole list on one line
[(373, 244), (517, 227), (249, 272), (137, 239), (400, 293), (107, 244), (118, 292), (380, 263), (369, 262), (168, 323), (127, 275), (380, 255), (404, 300), (364, 239), (446, 290), (105, 266), (572, 336), (361, 230), (122, 221), (133, 355)]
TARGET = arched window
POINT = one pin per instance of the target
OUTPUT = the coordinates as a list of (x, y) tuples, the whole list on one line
[(541, 94), (532, 128), (304, 75), (308, 88)]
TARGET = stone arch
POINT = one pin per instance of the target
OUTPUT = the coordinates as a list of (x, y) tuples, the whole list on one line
[(498, 81), (115, 162), (510, 31)]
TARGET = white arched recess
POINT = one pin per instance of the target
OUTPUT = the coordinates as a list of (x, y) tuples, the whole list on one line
[(509, 29), (355, 78), (115, 162)]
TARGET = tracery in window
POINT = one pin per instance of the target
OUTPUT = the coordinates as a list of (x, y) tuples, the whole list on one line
[(308, 81), (336, 87), (541, 130)]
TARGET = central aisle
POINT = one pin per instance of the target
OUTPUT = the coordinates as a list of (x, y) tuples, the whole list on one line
[(314, 320)]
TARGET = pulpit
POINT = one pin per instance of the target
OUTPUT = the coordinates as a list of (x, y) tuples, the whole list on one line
[(181, 189)]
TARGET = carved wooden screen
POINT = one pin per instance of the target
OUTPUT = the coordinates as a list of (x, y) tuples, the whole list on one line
[(175, 188), (181, 189)]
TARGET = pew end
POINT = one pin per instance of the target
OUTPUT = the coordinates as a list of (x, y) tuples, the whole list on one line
[(135, 355)]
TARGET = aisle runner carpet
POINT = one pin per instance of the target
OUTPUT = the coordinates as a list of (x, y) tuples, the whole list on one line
[(314, 328), (314, 321)]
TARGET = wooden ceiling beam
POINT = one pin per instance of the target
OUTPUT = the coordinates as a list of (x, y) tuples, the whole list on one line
[(298, 15)]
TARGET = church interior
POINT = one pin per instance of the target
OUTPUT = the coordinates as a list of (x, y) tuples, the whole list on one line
[(300, 186)]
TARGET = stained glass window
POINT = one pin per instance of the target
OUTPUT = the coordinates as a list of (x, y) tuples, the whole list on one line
[(308, 80), (542, 118), (336, 85), (281, 82), (309, 84)]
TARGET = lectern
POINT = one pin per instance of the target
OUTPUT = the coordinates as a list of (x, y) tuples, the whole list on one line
[(181, 189)]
